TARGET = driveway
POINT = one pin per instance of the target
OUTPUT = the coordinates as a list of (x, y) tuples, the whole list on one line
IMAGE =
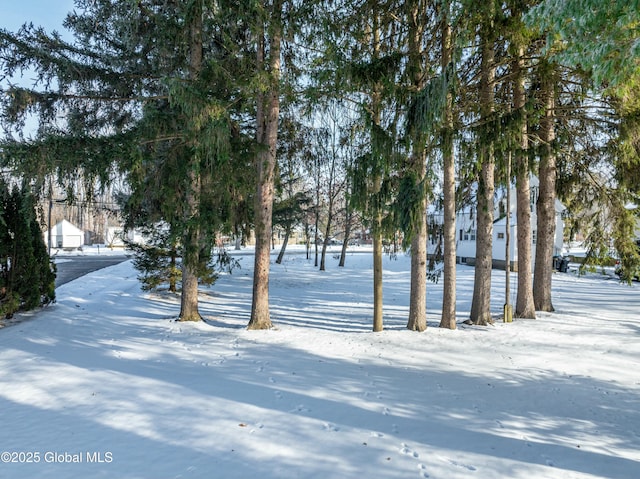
[(73, 267)]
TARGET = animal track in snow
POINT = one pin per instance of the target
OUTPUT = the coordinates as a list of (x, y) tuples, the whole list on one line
[(331, 427), (405, 449), (458, 464), (300, 408)]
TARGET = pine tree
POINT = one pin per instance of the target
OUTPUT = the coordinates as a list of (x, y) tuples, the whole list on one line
[(416, 179), (27, 275), (157, 258), (193, 236), (269, 37), (519, 37), (600, 36), (448, 318), (545, 207), (372, 185), (135, 83), (359, 63), (602, 39), (481, 302)]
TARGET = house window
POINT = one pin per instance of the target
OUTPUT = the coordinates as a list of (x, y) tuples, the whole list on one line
[(501, 236), (534, 236), (469, 235)]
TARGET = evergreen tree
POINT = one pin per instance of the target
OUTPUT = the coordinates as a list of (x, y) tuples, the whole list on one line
[(546, 204), (359, 63), (157, 258), (27, 275), (415, 179), (519, 39), (374, 70), (142, 87), (481, 302), (602, 39), (448, 317), (268, 31), (626, 153)]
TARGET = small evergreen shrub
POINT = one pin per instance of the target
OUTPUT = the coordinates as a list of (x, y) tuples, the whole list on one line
[(27, 274)]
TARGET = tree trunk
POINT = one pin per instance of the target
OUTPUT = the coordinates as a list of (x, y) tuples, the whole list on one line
[(376, 186), (418, 168), (307, 238), (323, 254), (316, 237), (189, 297), (524, 299), (418, 299), (191, 240), (376, 233), (191, 253), (347, 234), (327, 231), (481, 302), (343, 251), (268, 110), (448, 319), (283, 248), (545, 207)]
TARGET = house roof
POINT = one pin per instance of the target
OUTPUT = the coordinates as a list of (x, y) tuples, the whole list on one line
[(66, 228)]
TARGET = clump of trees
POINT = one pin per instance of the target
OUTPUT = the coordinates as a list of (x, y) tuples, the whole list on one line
[(413, 103), (27, 276)]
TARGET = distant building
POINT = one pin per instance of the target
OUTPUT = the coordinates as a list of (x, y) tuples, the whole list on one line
[(65, 235), (466, 230), (116, 236)]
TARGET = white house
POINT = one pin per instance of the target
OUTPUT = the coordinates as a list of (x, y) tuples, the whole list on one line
[(116, 236), (466, 229), (65, 235)]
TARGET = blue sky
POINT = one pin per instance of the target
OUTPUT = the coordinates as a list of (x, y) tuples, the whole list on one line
[(47, 13)]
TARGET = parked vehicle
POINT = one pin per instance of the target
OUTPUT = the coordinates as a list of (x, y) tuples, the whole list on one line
[(561, 263)]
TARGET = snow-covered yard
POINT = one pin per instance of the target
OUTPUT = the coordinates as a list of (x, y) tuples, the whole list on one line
[(105, 384)]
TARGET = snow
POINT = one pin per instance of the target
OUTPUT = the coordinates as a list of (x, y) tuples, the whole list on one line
[(106, 378), (88, 250)]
